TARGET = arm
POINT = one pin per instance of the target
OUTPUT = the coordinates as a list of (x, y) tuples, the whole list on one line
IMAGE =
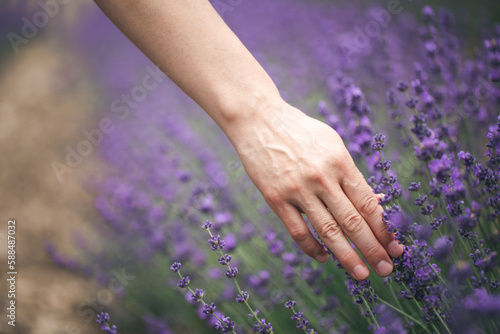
[(298, 163)]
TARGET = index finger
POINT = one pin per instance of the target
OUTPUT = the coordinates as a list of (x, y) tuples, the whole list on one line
[(366, 202)]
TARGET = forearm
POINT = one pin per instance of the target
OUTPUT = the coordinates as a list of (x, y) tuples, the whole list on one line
[(191, 43), (298, 163)]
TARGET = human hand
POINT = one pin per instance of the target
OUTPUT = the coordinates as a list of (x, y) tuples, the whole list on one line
[(300, 164)]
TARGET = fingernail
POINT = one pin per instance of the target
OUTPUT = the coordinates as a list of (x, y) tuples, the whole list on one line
[(360, 272), (322, 257), (395, 248), (384, 268)]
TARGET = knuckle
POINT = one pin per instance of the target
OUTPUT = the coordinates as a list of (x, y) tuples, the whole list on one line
[(353, 173), (373, 251), (316, 175), (344, 157), (380, 230), (293, 188), (353, 224), (273, 197), (299, 235), (311, 249), (344, 256), (330, 230), (355, 176), (370, 206), (341, 162)]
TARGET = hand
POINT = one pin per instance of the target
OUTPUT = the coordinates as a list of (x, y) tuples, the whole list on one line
[(300, 164)]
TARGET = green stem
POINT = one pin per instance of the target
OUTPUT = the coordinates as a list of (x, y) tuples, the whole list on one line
[(294, 312), (413, 298), (435, 328), (442, 321), (370, 311), (430, 266), (454, 228), (391, 289), (203, 302), (238, 286), (405, 314)]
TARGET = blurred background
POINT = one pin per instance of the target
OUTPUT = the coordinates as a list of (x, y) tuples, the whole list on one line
[(66, 149)]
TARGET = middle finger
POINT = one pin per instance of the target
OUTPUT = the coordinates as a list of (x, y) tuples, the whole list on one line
[(357, 230)]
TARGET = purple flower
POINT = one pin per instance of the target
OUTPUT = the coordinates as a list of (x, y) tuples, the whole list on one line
[(411, 102), (242, 297), (402, 86), (216, 243), (184, 176), (276, 247), (109, 330), (207, 225), (414, 186), (420, 200), (442, 168), (378, 142), (232, 272), (231, 242), (102, 318), (223, 218), (430, 48), (480, 301), (225, 259), (209, 308), (436, 223), (156, 325), (263, 327), (429, 148), (184, 282), (225, 325), (468, 158), (297, 316), (175, 267), (383, 166), (198, 295), (427, 210), (442, 247)]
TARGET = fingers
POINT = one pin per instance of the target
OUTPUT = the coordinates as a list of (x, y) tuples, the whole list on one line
[(394, 248), (300, 233), (333, 236), (366, 203), (358, 231)]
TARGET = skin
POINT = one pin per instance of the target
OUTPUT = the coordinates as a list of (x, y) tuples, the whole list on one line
[(299, 164)]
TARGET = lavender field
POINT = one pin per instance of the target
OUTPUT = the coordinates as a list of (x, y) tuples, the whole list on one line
[(180, 239)]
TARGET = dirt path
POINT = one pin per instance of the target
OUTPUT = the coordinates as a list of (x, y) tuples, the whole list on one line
[(43, 107)]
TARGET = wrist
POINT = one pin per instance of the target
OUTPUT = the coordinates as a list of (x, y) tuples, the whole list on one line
[(241, 117)]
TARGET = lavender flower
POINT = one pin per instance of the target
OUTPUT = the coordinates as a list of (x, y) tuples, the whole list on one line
[(242, 297), (166, 177), (102, 319), (175, 267), (184, 282), (298, 317), (209, 308)]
